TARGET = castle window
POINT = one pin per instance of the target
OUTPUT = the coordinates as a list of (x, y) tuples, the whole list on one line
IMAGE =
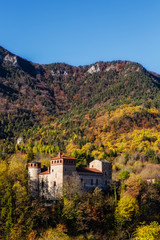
[(31, 164), (96, 181), (57, 161), (91, 181), (42, 183), (35, 165), (54, 183), (60, 161), (54, 161)]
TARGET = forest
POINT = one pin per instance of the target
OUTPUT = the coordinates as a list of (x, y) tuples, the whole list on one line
[(127, 209), (108, 110)]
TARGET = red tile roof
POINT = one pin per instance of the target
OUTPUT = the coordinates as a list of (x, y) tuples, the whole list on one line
[(46, 172), (62, 156), (88, 170)]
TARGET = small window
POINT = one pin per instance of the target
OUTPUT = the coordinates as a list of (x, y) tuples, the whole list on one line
[(54, 183), (42, 183), (105, 173), (65, 169), (57, 161), (31, 164), (54, 161), (96, 181), (60, 161), (106, 182), (92, 166), (81, 180), (35, 165), (52, 170), (91, 181)]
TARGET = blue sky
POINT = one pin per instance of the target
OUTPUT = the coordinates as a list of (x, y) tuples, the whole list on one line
[(81, 32)]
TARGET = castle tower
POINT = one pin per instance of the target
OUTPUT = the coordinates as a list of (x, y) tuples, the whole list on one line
[(105, 167), (34, 169), (62, 166)]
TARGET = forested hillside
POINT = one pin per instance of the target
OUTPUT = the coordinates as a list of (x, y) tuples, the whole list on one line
[(33, 95), (105, 110)]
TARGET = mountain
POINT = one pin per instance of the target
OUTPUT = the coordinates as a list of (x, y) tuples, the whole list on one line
[(34, 95), (58, 88)]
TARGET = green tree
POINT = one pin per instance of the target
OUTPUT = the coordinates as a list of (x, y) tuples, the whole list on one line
[(30, 156), (7, 211), (124, 174)]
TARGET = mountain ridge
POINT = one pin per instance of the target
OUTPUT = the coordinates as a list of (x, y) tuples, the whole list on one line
[(55, 77)]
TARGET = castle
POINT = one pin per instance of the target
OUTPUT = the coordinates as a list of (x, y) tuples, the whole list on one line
[(47, 183)]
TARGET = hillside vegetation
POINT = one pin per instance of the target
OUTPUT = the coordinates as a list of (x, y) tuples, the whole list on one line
[(105, 110), (33, 96)]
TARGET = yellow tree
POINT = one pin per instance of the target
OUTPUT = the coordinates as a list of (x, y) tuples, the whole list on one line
[(127, 210), (148, 232)]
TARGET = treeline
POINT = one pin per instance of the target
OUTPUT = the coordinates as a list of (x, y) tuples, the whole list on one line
[(124, 132)]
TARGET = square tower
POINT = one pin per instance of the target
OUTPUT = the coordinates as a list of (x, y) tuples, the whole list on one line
[(105, 167), (62, 166)]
